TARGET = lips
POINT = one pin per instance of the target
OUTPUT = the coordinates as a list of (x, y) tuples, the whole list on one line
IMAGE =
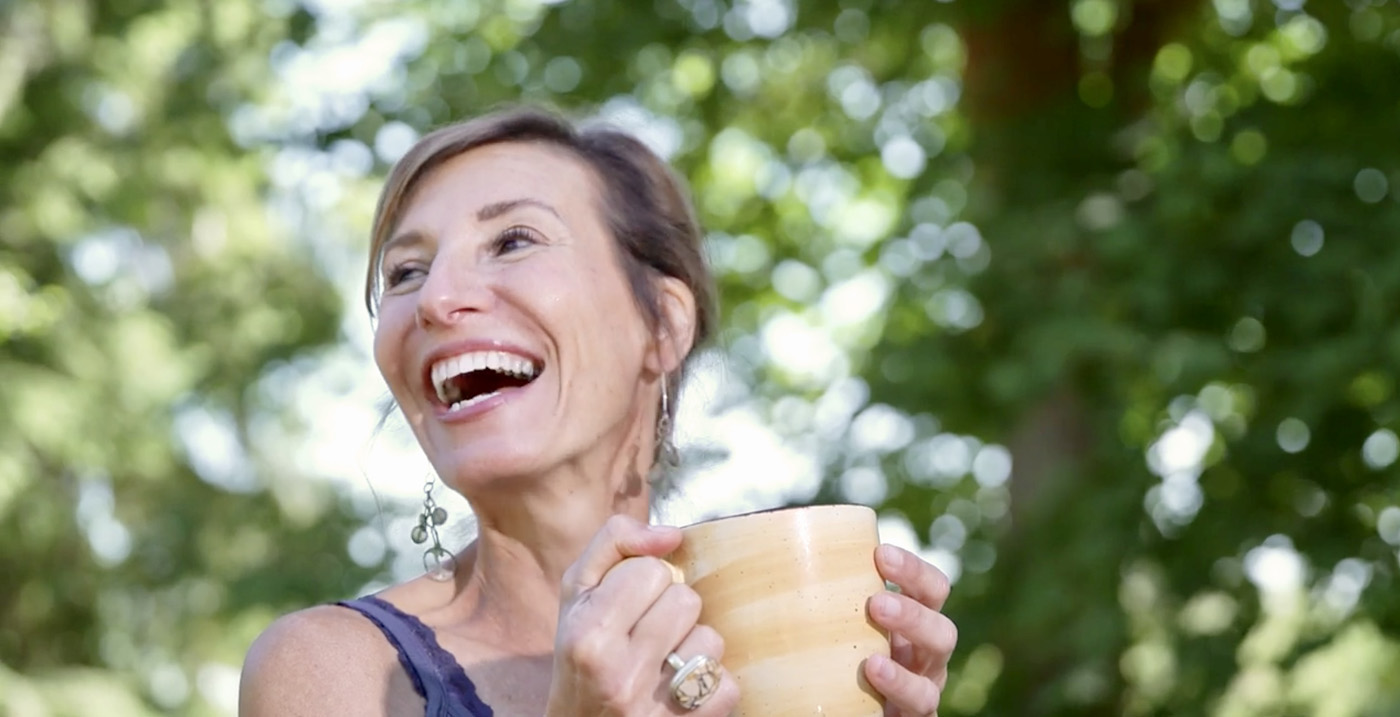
[(469, 377)]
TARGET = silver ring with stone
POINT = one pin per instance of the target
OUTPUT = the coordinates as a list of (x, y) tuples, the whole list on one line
[(695, 679)]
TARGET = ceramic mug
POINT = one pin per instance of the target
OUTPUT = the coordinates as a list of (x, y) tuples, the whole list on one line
[(787, 590)]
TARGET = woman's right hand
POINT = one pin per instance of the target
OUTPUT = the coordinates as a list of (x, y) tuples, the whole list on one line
[(621, 614)]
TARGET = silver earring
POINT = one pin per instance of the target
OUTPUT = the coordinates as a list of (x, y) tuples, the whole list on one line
[(437, 561), (665, 444)]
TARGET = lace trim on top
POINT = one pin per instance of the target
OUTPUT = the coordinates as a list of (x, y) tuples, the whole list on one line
[(445, 667)]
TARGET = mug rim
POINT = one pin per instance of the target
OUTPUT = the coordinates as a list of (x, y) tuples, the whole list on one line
[(815, 507)]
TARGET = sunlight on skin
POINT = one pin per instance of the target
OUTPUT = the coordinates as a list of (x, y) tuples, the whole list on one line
[(342, 446)]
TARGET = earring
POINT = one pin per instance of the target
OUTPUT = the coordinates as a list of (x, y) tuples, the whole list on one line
[(437, 561), (665, 445)]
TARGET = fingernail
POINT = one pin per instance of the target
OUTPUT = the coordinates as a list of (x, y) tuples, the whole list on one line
[(891, 555), (885, 606), (883, 669)]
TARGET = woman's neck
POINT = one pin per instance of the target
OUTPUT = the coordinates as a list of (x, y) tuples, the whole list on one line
[(528, 538), (531, 528)]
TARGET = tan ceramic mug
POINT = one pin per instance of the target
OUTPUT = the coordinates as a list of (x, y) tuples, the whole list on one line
[(787, 590)]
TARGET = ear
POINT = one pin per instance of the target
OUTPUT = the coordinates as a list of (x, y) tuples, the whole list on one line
[(675, 332)]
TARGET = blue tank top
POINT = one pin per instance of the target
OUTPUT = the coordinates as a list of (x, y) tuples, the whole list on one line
[(435, 674)]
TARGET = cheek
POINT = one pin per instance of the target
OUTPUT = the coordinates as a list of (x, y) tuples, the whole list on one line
[(381, 358), (388, 347)]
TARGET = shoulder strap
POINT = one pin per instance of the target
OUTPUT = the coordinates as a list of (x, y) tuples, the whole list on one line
[(414, 654)]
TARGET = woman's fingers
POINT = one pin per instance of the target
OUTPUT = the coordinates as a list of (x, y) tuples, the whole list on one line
[(667, 621), (924, 639), (626, 593), (906, 693), (602, 595), (599, 627), (702, 640), (621, 615), (620, 537), (915, 578)]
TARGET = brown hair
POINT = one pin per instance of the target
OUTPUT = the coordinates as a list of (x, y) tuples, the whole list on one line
[(645, 204)]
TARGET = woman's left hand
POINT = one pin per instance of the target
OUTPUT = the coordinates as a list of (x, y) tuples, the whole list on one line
[(921, 638)]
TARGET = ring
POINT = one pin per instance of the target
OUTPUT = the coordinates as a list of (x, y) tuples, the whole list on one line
[(695, 680)]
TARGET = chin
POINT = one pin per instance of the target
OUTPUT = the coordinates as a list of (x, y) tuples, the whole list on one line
[(472, 469)]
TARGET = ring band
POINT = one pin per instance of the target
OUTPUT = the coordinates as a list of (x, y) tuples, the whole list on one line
[(695, 680)]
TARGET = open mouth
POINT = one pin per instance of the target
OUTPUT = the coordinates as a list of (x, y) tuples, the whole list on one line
[(470, 378)]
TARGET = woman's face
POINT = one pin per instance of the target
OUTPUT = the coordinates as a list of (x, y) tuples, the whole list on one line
[(507, 331)]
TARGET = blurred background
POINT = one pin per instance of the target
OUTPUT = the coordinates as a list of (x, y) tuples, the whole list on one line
[(1097, 302)]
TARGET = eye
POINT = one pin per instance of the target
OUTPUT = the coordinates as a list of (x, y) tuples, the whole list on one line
[(514, 239), (397, 274)]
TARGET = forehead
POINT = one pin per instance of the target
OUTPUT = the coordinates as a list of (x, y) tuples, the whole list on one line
[(506, 172)]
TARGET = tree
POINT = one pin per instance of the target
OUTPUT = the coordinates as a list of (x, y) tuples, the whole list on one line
[(1097, 296), (148, 296)]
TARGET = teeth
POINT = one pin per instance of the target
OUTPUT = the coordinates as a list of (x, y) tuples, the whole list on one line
[(439, 371), (500, 361), (472, 401)]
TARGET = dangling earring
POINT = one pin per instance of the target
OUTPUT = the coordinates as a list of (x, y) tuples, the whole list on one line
[(440, 564), (666, 451)]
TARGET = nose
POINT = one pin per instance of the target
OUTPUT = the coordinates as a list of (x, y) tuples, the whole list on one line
[(453, 290)]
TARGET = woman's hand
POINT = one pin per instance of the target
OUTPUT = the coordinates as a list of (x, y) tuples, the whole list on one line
[(921, 638), (621, 614)]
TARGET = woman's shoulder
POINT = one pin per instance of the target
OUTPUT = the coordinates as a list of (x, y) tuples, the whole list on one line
[(321, 660)]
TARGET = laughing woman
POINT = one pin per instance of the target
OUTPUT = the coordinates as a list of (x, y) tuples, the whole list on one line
[(538, 290)]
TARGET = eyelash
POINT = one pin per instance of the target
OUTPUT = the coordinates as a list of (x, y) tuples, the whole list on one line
[(398, 274), (513, 234)]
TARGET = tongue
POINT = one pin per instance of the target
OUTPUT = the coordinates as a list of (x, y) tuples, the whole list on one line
[(477, 383)]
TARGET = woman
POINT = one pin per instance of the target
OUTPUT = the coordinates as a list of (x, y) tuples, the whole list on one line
[(539, 289)]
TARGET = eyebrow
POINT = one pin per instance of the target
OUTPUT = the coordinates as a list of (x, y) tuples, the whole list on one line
[(496, 209), (408, 238), (485, 214)]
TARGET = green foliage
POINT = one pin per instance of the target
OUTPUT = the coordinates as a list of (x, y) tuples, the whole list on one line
[(1143, 249), (143, 287)]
